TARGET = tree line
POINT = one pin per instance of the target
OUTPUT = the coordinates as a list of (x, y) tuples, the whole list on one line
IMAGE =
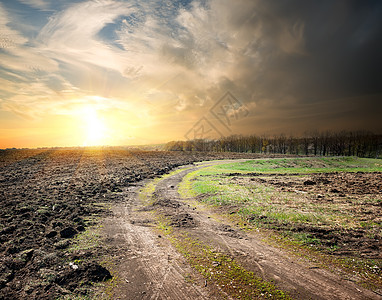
[(344, 143)]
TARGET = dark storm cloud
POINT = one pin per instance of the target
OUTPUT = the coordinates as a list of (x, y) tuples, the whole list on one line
[(324, 56), (343, 45)]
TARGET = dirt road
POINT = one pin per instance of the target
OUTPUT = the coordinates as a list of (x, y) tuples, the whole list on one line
[(147, 266)]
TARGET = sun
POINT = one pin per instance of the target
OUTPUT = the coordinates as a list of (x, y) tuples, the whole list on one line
[(94, 128)]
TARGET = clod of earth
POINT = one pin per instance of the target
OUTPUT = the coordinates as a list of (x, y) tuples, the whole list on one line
[(89, 272), (68, 232)]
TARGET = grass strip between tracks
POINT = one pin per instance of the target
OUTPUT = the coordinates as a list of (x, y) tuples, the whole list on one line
[(230, 278)]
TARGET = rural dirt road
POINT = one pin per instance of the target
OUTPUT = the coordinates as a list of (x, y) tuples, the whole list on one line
[(147, 266)]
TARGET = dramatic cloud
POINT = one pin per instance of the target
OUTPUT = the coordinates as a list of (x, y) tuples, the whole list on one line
[(292, 65)]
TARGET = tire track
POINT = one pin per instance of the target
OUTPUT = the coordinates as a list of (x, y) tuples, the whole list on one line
[(293, 275), (155, 270)]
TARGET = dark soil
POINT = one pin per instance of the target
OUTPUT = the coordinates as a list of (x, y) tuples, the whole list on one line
[(48, 197)]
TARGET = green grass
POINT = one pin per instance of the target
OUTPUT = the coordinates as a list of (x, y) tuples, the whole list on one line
[(146, 192), (189, 187), (257, 201), (86, 240), (269, 207), (264, 206), (305, 165)]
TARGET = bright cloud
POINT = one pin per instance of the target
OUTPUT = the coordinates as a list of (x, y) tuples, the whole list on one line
[(168, 62)]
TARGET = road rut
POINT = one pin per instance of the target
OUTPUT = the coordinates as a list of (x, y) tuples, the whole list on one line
[(149, 267)]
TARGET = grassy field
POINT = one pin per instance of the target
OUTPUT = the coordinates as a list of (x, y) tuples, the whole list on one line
[(331, 205), (266, 204), (306, 165)]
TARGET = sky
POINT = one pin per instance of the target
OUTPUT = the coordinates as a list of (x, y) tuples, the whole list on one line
[(82, 73)]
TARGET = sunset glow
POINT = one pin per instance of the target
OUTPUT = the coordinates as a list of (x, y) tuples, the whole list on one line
[(149, 71), (95, 129)]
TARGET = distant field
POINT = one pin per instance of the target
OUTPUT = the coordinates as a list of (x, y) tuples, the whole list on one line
[(307, 165), (329, 204)]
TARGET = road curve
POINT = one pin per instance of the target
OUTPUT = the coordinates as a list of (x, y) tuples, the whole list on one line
[(149, 267)]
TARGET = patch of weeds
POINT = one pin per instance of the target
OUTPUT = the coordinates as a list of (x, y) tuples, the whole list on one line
[(208, 186), (186, 188), (368, 225), (86, 240), (108, 287), (305, 238), (220, 269), (164, 225), (189, 278), (145, 194), (225, 272), (366, 272)]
